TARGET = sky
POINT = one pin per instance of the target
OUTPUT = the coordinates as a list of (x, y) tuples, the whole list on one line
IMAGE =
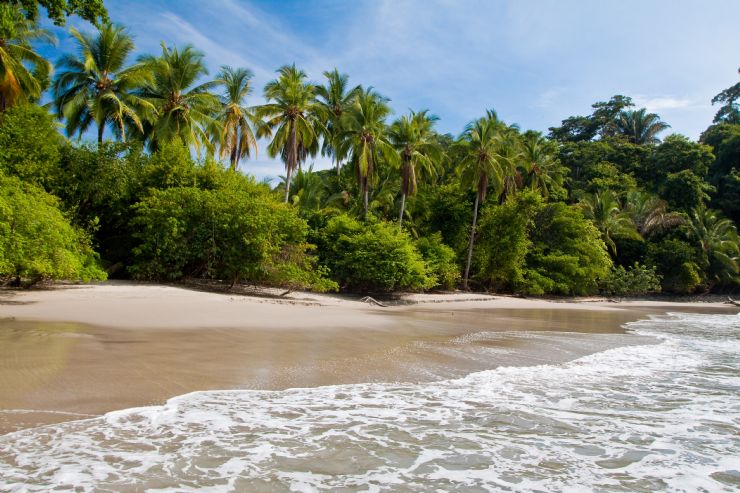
[(535, 62)]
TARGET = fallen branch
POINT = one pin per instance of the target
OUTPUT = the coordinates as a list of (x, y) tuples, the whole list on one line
[(373, 301), (730, 301)]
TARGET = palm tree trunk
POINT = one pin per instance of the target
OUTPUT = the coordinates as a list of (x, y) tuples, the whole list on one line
[(101, 129), (287, 184), (472, 240), (366, 194), (292, 158), (338, 166), (403, 206)]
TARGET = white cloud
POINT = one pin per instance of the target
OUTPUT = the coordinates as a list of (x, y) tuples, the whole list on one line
[(661, 103)]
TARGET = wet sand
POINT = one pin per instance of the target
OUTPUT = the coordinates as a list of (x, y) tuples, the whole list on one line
[(71, 353)]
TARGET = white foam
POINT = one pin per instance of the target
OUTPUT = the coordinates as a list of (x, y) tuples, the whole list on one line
[(662, 417)]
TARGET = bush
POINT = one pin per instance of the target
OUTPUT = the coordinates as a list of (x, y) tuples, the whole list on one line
[(502, 241), (567, 255), (29, 145), (372, 256), (635, 280), (677, 263), (36, 239), (232, 233), (440, 261)]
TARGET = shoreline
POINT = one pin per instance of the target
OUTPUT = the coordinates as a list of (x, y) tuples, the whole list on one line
[(83, 351)]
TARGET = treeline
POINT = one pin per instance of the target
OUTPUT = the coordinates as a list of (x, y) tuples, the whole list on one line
[(601, 204)]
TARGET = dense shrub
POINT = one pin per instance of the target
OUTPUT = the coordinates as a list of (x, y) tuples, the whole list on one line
[(677, 263), (371, 256), (29, 145), (231, 234), (36, 239), (567, 254), (634, 280), (440, 260)]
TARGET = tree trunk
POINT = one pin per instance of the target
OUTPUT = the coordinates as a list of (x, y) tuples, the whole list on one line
[(472, 240), (292, 158), (101, 129), (338, 166), (287, 185), (234, 157), (403, 206), (365, 194)]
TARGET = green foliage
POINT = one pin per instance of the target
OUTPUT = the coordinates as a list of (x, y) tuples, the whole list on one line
[(29, 145), (724, 172), (599, 123), (729, 112), (445, 210), (58, 10), (231, 234), (371, 256), (685, 191), (440, 260), (36, 239), (566, 256), (503, 241), (676, 262), (635, 280)]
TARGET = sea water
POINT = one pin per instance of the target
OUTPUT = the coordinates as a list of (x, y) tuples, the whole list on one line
[(657, 417)]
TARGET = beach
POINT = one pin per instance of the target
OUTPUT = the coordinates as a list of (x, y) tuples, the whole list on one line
[(73, 352)]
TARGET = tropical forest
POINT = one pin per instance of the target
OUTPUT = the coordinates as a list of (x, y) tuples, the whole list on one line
[(115, 164)]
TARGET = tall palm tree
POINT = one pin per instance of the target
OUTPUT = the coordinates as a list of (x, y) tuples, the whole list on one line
[(183, 109), (18, 82), (542, 168), (720, 244), (650, 214), (335, 97), (95, 87), (481, 161), (604, 209), (416, 142), (294, 115), (238, 121), (639, 126), (364, 135)]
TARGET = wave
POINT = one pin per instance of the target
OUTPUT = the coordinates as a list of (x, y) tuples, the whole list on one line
[(662, 417)]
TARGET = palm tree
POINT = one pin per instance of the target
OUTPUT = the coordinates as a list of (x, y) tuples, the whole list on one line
[(650, 214), (639, 126), (17, 81), (604, 209), (364, 135), (335, 98), (542, 168), (719, 243), (95, 87), (414, 138), (237, 137), (481, 161), (292, 111), (183, 109)]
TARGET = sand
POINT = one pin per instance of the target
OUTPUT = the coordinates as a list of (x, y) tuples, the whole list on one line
[(78, 351)]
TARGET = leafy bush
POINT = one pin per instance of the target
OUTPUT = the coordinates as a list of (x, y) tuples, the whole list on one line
[(36, 239), (635, 280), (372, 256), (677, 263), (29, 144), (502, 242), (440, 261), (232, 233), (567, 254)]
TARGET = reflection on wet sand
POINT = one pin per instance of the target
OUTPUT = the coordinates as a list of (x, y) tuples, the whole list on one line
[(52, 372)]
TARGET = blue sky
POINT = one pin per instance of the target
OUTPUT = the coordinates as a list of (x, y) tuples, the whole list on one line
[(534, 61)]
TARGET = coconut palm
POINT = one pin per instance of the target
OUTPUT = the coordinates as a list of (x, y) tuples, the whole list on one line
[(416, 142), (483, 162), (18, 82), (237, 135), (639, 126), (650, 214), (183, 109), (96, 87), (604, 209), (364, 137), (542, 169), (335, 97), (719, 243), (295, 116)]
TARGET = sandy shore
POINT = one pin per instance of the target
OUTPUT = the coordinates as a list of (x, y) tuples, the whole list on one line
[(71, 352)]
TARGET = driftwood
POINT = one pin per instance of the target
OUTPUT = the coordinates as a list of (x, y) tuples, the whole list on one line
[(730, 301), (373, 301)]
